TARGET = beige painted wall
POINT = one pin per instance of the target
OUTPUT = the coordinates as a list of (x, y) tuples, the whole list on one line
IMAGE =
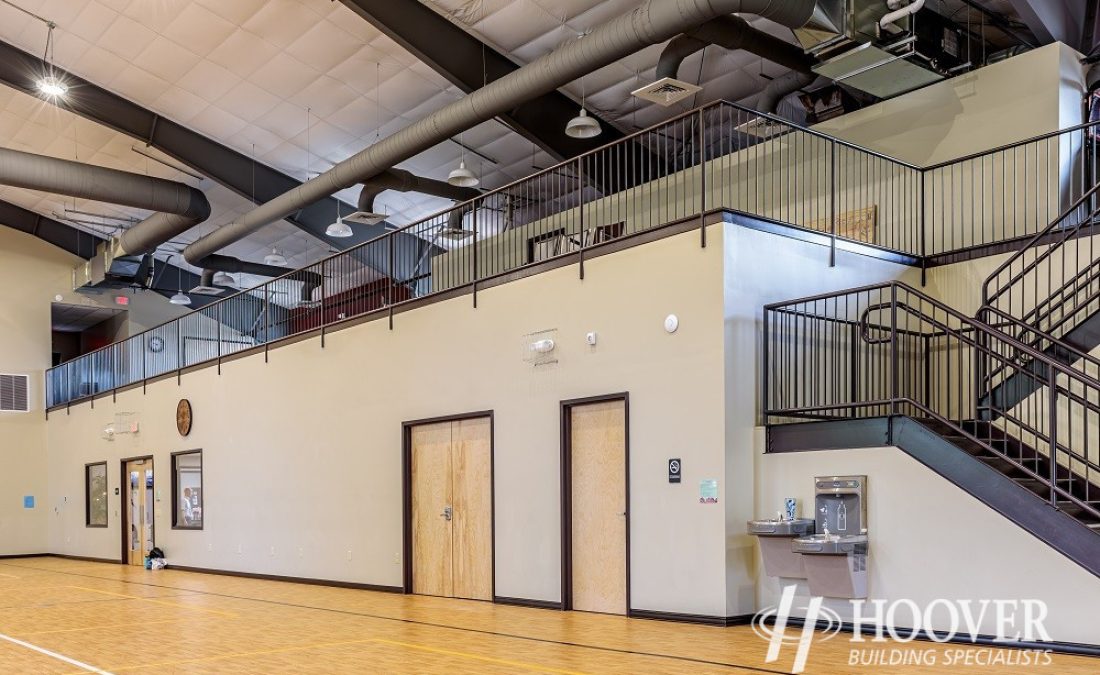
[(302, 455), (31, 273), (929, 539), (1029, 94)]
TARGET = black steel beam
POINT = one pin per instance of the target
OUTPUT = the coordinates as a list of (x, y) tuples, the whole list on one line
[(70, 239), (232, 169), (468, 63)]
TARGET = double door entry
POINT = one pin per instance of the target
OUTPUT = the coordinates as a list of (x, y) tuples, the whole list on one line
[(451, 508)]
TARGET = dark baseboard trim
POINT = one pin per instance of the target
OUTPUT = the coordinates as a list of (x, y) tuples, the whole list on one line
[(702, 619), (293, 580), (12, 556), (527, 602), (1074, 648), (85, 558)]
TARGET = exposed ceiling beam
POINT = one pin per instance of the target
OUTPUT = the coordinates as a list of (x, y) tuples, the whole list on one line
[(77, 242), (460, 57), (232, 169), (1053, 20)]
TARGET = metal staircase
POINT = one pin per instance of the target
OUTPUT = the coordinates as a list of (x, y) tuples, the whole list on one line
[(889, 365)]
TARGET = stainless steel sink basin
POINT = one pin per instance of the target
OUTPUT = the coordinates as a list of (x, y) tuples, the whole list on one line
[(830, 544), (798, 527)]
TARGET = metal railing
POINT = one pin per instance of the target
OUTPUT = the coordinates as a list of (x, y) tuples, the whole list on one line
[(889, 349), (720, 156)]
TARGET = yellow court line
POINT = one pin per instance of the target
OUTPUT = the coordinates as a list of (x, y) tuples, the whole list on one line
[(156, 601), (101, 627), (488, 659)]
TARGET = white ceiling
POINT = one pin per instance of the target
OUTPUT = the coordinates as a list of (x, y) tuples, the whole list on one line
[(303, 84)]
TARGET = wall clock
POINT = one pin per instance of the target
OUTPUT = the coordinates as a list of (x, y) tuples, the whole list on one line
[(156, 343), (183, 417)]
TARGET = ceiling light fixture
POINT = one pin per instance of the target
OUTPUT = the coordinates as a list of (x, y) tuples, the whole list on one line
[(223, 279), (50, 85), (462, 177), (583, 126), (180, 298), (339, 229), (275, 258)]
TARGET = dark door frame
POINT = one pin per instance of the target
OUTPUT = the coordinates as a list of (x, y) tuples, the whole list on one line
[(124, 495), (567, 492), (406, 490)]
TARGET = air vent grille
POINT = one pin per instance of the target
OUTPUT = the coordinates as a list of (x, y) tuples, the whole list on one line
[(667, 91), (13, 393)]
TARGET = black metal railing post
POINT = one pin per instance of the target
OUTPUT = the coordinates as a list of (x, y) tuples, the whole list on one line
[(473, 255), (324, 301), (580, 212), (701, 138), (895, 388), (1052, 428), (923, 234), (832, 203), (765, 385)]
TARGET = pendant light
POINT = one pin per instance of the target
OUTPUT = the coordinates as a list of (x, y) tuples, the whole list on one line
[(180, 298), (49, 85), (223, 279), (462, 176), (339, 229), (275, 258), (583, 126)]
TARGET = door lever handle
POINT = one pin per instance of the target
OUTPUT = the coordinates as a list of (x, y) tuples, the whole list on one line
[(447, 513)]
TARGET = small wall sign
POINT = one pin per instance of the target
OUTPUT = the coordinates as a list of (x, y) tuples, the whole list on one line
[(674, 470), (28, 502), (708, 491)]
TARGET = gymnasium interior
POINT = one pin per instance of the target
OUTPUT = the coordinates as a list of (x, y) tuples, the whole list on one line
[(549, 336)]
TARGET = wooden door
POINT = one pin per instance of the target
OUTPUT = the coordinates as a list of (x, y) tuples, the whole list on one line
[(450, 482), (432, 512), (471, 528), (598, 506), (139, 510)]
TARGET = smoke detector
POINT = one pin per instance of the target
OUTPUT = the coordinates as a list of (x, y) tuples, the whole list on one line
[(667, 91), (366, 217)]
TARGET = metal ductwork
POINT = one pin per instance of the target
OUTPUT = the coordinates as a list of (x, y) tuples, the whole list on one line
[(730, 32), (651, 23), (311, 281), (179, 207), (402, 181), (780, 87)]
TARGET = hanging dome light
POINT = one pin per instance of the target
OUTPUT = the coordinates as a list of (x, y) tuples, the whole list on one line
[(180, 298), (52, 87), (223, 279), (463, 177), (583, 126), (339, 229), (275, 258)]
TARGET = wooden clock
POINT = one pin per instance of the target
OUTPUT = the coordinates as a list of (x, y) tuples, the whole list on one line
[(183, 417)]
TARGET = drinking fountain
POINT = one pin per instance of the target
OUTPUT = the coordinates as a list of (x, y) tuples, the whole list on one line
[(775, 538), (835, 558)]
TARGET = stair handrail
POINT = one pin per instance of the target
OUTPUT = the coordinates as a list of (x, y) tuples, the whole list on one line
[(983, 333), (1035, 241)]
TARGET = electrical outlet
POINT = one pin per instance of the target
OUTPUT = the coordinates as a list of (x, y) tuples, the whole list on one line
[(272, 552), (301, 552), (396, 558), (209, 547), (349, 555), (240, 549)]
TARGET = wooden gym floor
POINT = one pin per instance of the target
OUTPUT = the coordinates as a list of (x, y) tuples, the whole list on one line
[(65, 616)]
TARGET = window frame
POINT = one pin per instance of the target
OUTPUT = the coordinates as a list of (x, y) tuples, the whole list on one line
[(176, 525), (88, 495)]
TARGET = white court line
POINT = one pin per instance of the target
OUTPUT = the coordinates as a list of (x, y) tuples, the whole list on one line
[(59, 657)]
